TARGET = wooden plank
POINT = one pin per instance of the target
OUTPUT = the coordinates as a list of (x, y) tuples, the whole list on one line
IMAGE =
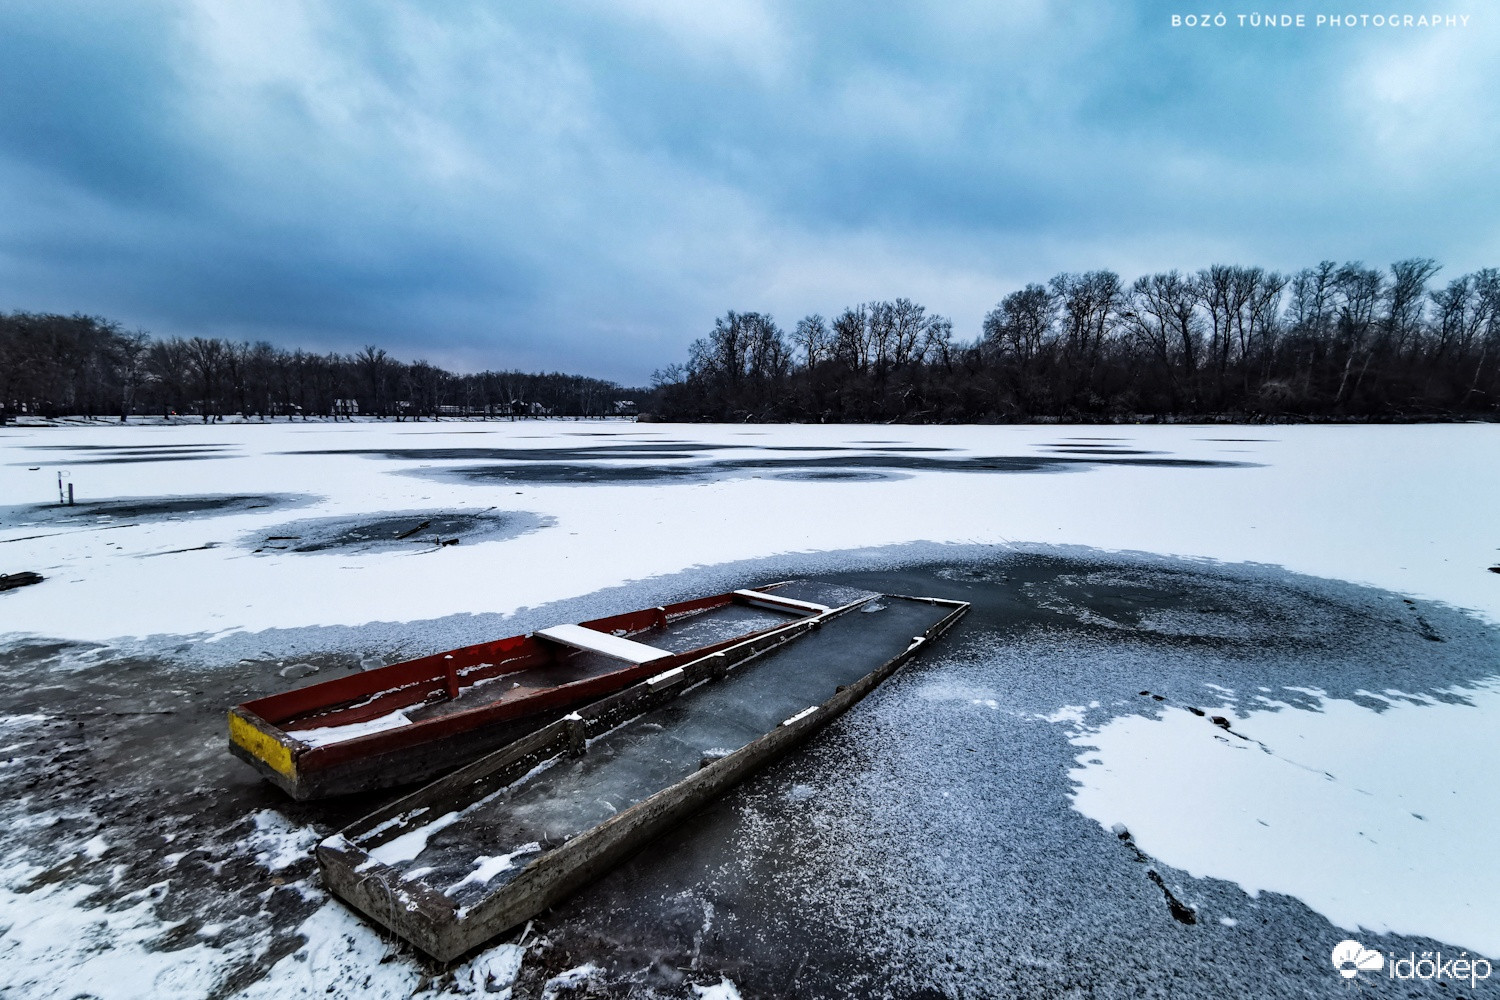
[(776, 602), (612, 646)]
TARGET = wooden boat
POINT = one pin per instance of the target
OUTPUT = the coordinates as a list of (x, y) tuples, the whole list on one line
[(408, 722), (491, 845)]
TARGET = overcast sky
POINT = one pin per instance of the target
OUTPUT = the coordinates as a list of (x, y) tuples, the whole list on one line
[(585, 186)]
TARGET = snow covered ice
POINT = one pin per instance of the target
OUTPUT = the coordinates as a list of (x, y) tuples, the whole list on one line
[(1377, 819), (557, 519), (1407, 508)]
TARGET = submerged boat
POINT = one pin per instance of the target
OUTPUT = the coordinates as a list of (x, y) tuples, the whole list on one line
[(486, 848), (408, 722)]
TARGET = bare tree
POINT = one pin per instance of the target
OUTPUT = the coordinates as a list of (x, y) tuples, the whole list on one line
[(375, 365), (130, 367), (1088, 305), (1021, 324), (1358, 290), (1163, 318), (938, 347), (1406, 299), (851, 339), (167, 366)]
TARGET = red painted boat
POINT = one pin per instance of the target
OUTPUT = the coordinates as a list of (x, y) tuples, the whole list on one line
[(412, 721)]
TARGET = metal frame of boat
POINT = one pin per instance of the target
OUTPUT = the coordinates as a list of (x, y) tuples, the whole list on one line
[(435, 923), (263, 732)]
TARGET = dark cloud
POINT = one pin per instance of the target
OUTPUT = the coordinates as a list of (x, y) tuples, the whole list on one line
[(586, 186)]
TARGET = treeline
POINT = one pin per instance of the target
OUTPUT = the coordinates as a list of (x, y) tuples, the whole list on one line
[(1332, 341), (54, 365)]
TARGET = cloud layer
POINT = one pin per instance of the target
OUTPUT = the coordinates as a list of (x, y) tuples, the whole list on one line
[(585, 185)]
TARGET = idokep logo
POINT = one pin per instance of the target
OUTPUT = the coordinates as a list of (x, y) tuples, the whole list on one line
[(1351, 958)]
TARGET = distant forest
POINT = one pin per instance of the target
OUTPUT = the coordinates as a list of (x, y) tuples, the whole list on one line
[(1328, 342), (1335, 341), (54, 365)]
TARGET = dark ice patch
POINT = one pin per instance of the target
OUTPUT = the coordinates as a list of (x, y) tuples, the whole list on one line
[(839, 476), (405, 531), (590, 453), (804, 468), (845, 447), (102, 454), (977, 463), (143, 509), (130, 447), (1077, 449), (133, 459), (563, 475)]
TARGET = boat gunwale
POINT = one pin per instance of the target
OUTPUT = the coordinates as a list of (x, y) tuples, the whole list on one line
[(279, 707)]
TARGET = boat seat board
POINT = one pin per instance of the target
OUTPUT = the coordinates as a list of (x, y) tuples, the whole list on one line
[(776, 600), (599, 642), (833, 595)]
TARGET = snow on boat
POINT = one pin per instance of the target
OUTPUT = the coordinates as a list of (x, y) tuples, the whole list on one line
[(408, 722), (486, 848)]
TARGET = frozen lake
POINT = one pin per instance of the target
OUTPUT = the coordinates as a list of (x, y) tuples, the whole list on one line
[(1322, 590), (1408, 508)]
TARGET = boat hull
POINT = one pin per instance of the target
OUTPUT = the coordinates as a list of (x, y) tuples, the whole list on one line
[(264, 734)]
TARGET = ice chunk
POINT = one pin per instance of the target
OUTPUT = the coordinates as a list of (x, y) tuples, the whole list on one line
[(486, 868), (724, 989), (407, 846), (325, 735)]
